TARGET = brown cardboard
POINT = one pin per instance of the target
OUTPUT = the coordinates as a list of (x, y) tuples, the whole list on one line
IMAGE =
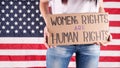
[(81, 28)]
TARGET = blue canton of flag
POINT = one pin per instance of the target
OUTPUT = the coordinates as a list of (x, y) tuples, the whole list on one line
[(20, 18)]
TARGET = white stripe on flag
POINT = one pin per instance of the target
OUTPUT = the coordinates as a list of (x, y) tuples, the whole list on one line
[(115, 30), (22, 52), (102, 64), (115, 42), (109, 64), (38, 40), (43, 64), (113, 17), (22, 63), (43, 52), (21, 40), (112, 4), (109, 53)]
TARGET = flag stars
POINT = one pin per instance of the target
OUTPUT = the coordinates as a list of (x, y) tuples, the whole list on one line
[(16, 31), (33, 31), (24, 31), (32, 7), (37, 11), (11, 19), (24, 7), (17, 18), (24, 15), (20, 27), (24, 23), (37, 3), (37, 19), (32, 23), (32, 15), (12, 27), (20, 19), (3, 11), (16, 23), (41, 31), (28, 11), (28, 3), (28, 27), (37, 27), (15, 15), (3, 2), (3, 19), (20, 3), (20, 11), (7, 31), (3, 27), (7, 23), (28, 19), (7, 7), (7, 15), (11, 2), (40, 15), (15, 7), (11, 11), (41, 23)]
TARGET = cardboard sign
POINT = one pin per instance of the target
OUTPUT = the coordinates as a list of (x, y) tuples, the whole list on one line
[(83, 28)]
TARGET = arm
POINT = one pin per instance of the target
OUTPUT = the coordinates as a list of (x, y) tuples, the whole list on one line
[(43, 6), (101, 10), (101, 7)]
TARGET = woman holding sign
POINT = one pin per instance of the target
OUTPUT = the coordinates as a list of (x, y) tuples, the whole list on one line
[(87, 55)]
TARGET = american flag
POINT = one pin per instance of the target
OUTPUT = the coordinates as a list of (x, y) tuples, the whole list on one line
[(21, 35)]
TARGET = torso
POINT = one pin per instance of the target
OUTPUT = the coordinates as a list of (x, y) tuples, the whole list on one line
[(73, 6)]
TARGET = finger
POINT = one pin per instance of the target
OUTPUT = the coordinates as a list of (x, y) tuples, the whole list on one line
[(54, 46), (97, 43), (44, 38), (103, 44), (46, 45), (110, 38), (46, 41)]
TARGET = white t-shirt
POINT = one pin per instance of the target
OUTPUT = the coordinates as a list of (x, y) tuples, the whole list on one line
[(73, 6)]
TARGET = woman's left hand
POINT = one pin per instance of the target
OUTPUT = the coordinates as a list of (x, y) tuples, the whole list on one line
[(106, 43)]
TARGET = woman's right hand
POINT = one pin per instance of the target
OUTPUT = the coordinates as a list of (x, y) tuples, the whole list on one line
[(46, 35)]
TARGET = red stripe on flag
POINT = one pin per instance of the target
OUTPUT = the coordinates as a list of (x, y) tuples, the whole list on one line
[(22, 58), (111, 0), (74, 67), (110, 47), (104, 59), (36, 46), (115, 36), (36, 67), (45, 67), (43, 58), (114, 23), (22, 46), (26, 58), (113, 10), (109, 59), (108, 67)]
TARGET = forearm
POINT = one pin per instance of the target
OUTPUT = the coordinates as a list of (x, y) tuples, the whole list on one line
[(44, 9), (101, 7)]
